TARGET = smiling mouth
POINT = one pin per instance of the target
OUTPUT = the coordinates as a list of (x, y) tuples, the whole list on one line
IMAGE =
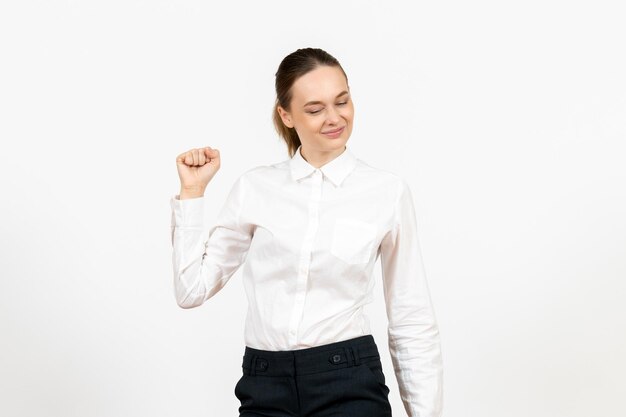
[(330, 132)]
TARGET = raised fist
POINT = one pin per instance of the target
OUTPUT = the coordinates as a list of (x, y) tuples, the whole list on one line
[(196, 167)]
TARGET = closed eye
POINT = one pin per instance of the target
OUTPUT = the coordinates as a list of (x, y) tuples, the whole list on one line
[(317, 111)]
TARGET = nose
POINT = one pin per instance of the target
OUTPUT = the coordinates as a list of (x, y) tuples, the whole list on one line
[(333, 116)]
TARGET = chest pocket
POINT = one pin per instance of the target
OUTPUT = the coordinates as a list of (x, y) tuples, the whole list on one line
[(352, 240)]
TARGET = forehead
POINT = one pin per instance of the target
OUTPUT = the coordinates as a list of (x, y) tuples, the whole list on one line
[(322, 83)]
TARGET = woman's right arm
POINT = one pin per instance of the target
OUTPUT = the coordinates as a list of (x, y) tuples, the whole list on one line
[(203, 264)]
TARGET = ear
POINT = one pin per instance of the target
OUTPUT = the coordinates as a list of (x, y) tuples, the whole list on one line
[(285, 116)]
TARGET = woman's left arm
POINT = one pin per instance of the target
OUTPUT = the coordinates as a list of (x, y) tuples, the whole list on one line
[(413, 333)]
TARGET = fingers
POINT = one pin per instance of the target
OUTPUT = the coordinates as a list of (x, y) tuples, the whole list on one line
[(211, 153), (201, 159), (198, 156), (189, 159)]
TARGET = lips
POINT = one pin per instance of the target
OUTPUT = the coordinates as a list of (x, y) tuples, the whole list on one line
[(330, 132)]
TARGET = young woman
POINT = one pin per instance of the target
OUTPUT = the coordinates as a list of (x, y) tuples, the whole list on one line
[(308, 231)]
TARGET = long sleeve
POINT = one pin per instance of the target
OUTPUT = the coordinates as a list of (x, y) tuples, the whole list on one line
[(413, 333), (202, 266)]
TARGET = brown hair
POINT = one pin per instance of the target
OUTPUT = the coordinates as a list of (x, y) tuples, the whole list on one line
[(292, 67)]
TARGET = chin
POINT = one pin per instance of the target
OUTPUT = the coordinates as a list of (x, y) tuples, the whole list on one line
[(336, 143)]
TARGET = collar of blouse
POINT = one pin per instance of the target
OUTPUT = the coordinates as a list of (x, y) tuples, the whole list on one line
[(336, 170)]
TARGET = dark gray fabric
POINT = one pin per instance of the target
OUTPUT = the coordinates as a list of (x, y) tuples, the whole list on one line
[(341, 379)]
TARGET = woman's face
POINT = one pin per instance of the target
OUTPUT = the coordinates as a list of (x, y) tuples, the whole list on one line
[(321, 103)]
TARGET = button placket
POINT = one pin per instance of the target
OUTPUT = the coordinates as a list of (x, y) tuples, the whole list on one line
[(305, 256)]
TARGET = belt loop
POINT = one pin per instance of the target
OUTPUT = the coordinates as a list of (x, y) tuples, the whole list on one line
[(355, 352), (345, 353), (252, 370), (349, 349)]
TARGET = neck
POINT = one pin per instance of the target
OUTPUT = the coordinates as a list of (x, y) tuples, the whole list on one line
[(319, 158)]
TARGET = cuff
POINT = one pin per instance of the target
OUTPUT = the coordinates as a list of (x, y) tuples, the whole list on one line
[(188, 212)]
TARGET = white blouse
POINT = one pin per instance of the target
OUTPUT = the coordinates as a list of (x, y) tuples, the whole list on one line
[(308, 239)]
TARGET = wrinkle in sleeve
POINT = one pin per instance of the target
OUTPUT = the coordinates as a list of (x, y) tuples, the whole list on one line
[(203, 261), (413, 334)]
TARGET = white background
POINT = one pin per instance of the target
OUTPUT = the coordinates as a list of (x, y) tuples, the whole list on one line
[(506, 118)]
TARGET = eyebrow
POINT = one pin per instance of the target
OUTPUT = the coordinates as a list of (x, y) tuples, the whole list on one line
[(319, 102)]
